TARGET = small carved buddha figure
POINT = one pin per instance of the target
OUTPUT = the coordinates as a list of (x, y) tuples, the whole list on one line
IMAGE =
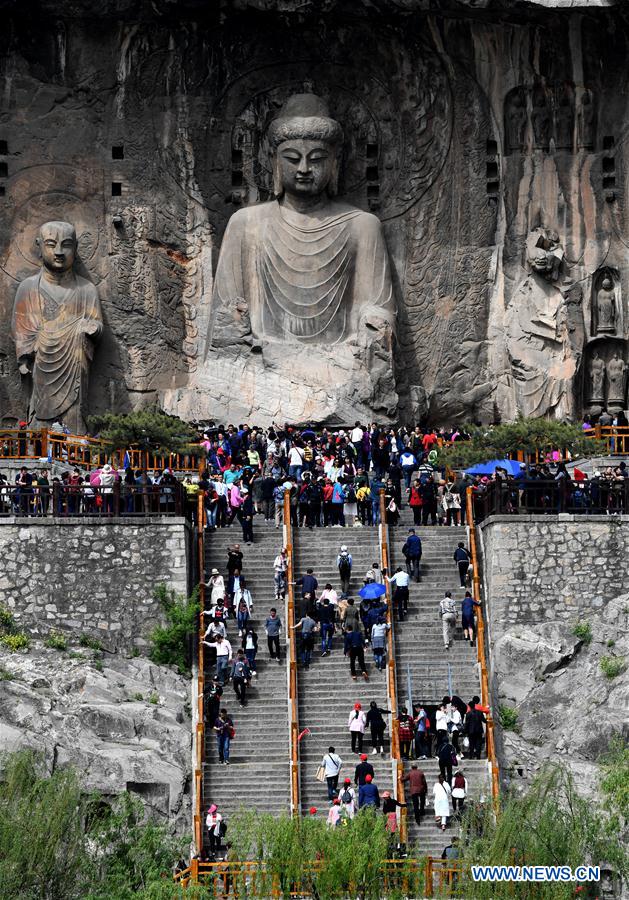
[(606, 307)]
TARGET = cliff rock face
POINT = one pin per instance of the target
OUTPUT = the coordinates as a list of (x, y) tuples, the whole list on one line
[(468, 125), (126, 727), (568, 710)]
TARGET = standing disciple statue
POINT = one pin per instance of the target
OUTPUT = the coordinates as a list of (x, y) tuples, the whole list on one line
[(56, 319), (616, 370), (597, 379), (304, 279)]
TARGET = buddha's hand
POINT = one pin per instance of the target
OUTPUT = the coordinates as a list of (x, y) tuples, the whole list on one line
[(89, 327), (25, 368)]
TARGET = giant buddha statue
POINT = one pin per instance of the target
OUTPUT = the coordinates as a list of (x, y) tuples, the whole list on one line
[(302, 294), (56, 320)]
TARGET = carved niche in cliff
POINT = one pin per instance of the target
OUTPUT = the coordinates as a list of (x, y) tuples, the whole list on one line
[(545, 116)]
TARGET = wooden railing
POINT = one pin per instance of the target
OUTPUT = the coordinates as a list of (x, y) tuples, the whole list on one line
[(89, 453), (481, 641), (397, 764), (291, 669), (235, 879), (199, 735)]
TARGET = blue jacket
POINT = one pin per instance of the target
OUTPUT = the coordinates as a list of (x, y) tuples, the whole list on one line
[(413, 547), (368, 795)]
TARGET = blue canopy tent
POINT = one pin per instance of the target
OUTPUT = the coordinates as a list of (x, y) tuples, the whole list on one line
[(488, 468)]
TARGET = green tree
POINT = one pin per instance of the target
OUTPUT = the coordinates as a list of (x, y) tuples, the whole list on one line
[(530, 436), (551, 824), (149, 429), (170, 642)]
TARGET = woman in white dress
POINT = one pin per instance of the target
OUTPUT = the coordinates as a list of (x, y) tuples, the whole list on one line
[(441, 798)]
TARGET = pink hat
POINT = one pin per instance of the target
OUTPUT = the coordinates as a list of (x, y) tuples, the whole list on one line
[(213, 808)]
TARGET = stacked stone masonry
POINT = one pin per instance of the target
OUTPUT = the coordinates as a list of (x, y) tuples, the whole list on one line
[(89, 577)]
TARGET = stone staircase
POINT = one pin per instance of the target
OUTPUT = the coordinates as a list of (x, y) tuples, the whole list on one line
[(327, 692), (258, 774), (434, 672)]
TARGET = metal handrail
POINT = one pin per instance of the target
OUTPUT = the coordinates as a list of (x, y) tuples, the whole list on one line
[(62, 500), (291, 669), (480, 649), (397, 764)]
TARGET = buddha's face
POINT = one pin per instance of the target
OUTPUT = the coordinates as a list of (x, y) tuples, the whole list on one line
[(305, 167), (57, 242)]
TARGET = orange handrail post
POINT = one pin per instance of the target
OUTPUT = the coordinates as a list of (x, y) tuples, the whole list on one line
[(480, 647), (200, 730), (293, 709), (391, 670)]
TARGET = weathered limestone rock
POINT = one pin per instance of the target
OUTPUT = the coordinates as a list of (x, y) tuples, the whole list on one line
[(126, 727), (568, 710)]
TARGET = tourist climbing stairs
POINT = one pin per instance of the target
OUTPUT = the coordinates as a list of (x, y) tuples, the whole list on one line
[(258, 775), (422, 663), (327, 692)]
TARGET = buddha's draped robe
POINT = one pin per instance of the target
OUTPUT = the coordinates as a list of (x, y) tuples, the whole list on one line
[(53, 331), (304, 278)]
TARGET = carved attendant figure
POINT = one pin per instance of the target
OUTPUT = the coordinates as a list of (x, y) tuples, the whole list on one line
[(606, 307), (597, 379), (616, 370), (56, 319), (304, 268)]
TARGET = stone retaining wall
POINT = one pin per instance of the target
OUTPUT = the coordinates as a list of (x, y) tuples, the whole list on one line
[(541, 568), (91, 576)]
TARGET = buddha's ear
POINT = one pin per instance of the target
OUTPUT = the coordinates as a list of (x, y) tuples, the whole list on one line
[(333, 184), (278, 189)]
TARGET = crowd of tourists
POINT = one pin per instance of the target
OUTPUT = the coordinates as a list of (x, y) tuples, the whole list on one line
[(103, 491), (334, 479)]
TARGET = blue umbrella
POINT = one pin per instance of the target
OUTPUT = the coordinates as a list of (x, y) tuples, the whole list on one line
[(372, 591), (488, 468)]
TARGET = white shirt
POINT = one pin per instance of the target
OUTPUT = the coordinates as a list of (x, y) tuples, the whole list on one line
[(400, 579), (223, 648), (295, 457), (332, 764), (331, 595), (356, 435), (441, 720), (280, 563), (221, 488), (215, 628)]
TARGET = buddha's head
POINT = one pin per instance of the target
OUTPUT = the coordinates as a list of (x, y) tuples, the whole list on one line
[(607, 283), (306, 146), (57, 245)]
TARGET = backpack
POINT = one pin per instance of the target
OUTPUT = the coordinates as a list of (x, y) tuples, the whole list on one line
[(219, 613), (345, 567), (459, 782), (222, 828), (346, 797), (350, 496)]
